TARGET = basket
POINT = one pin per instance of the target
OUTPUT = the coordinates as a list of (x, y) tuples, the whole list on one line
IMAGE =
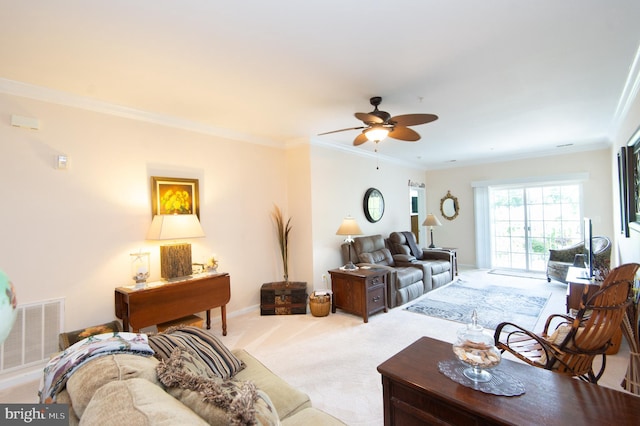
[(320, 305)]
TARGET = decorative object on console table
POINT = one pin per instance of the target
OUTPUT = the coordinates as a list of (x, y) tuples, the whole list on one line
[(349, 227), (431, 221), (167, 301), (362, 292), (283, 298), (175, 259), (140, 267)]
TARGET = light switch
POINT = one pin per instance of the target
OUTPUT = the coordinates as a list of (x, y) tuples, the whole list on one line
[(62, 162)]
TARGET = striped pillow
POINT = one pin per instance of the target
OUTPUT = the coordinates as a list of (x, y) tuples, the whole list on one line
[(207, 347)]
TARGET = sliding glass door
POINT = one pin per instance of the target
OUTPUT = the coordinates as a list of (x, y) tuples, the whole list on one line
[(527, 221)]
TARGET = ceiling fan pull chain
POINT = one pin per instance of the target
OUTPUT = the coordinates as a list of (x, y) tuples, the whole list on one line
[(377, 157)]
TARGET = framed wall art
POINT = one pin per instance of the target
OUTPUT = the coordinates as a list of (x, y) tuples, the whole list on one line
[(174, 196), (633, 180), (623, 187)]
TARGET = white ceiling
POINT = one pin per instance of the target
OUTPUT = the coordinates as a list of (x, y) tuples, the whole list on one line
[(507, 78)]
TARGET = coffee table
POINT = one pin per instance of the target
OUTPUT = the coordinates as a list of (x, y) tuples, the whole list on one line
[(415, 392)]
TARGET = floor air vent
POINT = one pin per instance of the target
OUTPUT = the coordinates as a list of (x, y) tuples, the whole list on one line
[(34, 336)]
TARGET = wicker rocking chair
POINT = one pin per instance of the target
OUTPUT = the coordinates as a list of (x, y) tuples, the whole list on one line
[(574, 343)]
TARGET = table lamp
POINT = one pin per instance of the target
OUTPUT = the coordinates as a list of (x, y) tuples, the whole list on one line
[(175, 258), (431, 221), (349, 227)]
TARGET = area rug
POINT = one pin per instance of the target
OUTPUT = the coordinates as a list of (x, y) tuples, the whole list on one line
[(520, 274), (494, 304)]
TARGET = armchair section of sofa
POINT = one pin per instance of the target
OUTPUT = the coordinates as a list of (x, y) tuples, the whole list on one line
[(437, 267), (405, 277), (561, 259)]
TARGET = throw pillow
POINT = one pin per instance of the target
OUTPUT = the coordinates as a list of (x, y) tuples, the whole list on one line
[(219, 359), (218, 401)]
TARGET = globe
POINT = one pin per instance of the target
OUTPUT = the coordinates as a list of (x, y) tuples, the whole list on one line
[(8, 305)]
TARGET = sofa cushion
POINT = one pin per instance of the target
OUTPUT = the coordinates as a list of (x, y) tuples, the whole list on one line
[(382, 257), (136, 402), (286, 399), (311, 417), (218, 401), (407, 276), (210, 349), (86, 380)]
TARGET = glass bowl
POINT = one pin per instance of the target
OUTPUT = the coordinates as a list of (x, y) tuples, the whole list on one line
[(476, 349)]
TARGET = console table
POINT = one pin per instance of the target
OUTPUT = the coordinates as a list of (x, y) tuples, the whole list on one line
[(415, 392), (163, 301), (361, 291)]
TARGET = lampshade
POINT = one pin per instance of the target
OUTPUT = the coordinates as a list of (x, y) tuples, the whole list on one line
[(431, 220), (349, 226), (175, 226), (376, 133)]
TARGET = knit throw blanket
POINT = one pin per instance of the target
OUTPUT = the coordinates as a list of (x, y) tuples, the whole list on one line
[(63, 365), (412, 245)]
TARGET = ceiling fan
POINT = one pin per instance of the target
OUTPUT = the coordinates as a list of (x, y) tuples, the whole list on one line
[(380, 124)]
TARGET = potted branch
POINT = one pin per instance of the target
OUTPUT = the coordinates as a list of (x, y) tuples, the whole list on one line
[(284, 297), (283, 230)]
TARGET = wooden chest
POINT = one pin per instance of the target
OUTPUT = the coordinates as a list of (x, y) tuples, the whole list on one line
[(282, 298)]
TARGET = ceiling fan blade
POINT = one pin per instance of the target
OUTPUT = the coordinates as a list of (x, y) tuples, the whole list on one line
[(368, 118), (342, 130), (404, 134), (413, 119), (360, 139)]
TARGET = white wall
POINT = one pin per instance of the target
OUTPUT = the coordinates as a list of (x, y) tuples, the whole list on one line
[(460, 232), (627, 250), (69, 233), (339, 181)]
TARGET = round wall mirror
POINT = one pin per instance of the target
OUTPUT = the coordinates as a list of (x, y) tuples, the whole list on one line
[(449, 206), (373, 205)]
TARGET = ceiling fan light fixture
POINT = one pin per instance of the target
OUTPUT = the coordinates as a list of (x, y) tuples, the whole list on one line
[(376, 134)]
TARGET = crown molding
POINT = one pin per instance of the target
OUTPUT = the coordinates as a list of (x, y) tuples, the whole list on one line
[(44, 94)]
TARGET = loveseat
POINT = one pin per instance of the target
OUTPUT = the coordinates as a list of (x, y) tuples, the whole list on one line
[(561, 259), (436, 265), (196, 381), (405, 278)]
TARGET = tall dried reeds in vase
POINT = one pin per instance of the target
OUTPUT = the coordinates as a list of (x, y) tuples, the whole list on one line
[(631, 330), (283, 228)]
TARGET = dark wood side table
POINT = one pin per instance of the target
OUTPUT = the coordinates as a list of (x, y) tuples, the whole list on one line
[(415, 392), (362, 291), (166, 301)]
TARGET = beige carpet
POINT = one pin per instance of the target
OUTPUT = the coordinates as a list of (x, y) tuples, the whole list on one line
[(334, 358)]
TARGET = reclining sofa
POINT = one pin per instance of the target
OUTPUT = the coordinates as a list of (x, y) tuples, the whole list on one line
[(406, 276), (436, 265)]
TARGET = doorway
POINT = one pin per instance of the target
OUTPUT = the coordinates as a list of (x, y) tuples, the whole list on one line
[(527, 221), (417, 212)]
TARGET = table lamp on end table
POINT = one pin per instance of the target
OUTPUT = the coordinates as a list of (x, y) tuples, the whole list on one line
[(349, 227)]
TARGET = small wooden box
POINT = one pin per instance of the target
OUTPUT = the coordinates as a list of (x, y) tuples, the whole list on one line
[(283, 298)]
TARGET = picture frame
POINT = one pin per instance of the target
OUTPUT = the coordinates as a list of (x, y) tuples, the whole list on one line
[(633, 181), (623, 187), (170, 195)]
